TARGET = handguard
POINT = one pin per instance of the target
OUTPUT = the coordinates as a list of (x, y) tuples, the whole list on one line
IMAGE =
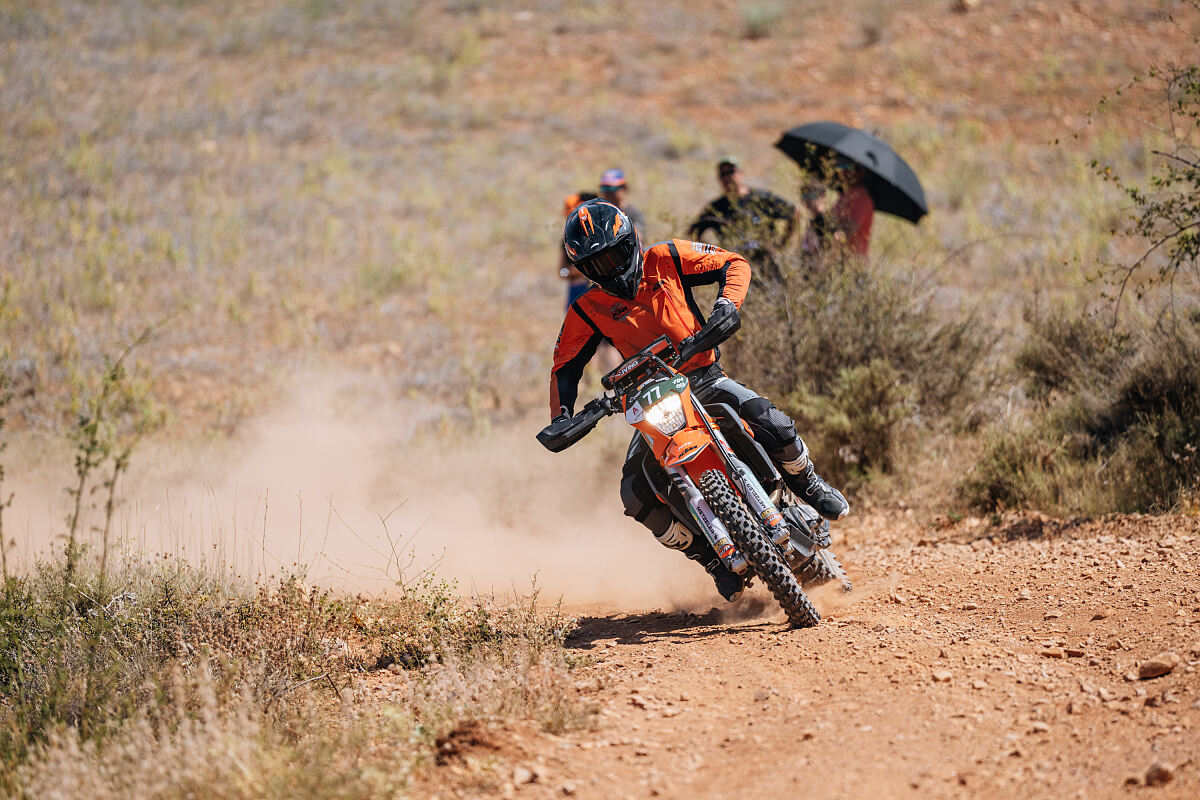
[(566, 431), (723, 323)]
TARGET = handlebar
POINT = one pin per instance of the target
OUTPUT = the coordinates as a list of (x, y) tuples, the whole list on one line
[(566, 431)]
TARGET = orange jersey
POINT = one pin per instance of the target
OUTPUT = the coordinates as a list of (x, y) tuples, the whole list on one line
[(664, 305)]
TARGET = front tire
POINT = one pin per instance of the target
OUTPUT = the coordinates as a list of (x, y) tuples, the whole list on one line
[(757, 548)]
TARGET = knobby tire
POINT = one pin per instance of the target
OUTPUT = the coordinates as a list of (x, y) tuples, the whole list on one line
[(764, 559)]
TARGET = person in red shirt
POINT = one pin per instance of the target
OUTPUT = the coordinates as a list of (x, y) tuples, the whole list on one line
[(848, 224), (854, 212), (637, 296)]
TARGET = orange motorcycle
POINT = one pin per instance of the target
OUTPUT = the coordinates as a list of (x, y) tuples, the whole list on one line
[(715, 478)]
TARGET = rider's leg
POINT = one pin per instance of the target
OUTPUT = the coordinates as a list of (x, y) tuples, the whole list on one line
[(643, 505), (777, 433)]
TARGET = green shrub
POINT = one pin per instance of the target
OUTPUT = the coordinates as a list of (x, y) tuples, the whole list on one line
[(855, 352), (1117, 421), (1116, 415), (759, 20), (858, 420)]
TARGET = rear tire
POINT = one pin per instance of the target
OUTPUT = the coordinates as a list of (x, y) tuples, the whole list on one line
[(757, 548)]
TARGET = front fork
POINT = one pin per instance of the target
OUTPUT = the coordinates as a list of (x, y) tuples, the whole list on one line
[(714, 530), (756, 496), (751, 489), (798, 545), (759, 501)]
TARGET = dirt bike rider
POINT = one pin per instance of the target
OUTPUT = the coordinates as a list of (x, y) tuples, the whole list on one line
[(635, 298)]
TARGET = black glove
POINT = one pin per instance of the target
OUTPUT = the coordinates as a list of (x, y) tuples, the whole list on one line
[(724, 315), (723, 323), (566, 430)]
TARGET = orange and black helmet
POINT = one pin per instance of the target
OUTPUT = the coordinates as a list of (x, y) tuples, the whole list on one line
[(601, 243)]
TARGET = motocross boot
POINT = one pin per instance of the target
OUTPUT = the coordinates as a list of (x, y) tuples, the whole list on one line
[(802, 478), (730, 585)]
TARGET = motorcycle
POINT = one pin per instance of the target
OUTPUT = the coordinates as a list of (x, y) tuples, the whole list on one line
[(714, 477)]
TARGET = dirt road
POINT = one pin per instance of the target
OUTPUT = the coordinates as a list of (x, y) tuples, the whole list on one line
[(971, 660)]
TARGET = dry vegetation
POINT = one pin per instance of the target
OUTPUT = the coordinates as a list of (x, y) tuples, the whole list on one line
[(158, 680), (270, 185), (377, 182)]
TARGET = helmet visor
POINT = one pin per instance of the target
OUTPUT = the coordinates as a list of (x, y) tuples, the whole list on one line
[(609, 263)]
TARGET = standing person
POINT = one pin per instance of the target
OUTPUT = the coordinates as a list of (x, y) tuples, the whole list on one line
[(615, 190), (576, 283), (753, 222), (638, 296), (847, 225)]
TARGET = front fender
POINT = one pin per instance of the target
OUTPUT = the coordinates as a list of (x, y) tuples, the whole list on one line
[(685, 446)]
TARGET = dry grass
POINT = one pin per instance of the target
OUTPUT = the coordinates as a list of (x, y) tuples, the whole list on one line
[(378, 184), (178, 681)]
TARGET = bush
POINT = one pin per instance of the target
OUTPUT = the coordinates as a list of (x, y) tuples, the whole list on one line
[(1064, 351), (1117, 414), (161, 658), (87, 657), (855, 352), (759, 20), (1117, 420)]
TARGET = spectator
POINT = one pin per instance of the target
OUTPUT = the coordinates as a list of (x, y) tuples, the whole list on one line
[(847, 225), (576, 283), (615, 190), (753, 222)]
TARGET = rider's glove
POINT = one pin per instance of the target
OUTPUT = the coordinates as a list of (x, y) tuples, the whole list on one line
[(722, 324), (724, 312)]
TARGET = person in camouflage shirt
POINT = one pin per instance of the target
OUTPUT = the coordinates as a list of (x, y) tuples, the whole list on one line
[(753, 222)]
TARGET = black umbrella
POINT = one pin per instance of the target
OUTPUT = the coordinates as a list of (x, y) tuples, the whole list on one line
[(892, 184)]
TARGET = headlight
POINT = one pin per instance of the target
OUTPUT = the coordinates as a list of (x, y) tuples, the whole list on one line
[(667, 414)]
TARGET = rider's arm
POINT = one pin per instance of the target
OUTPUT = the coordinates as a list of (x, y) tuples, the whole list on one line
[(577, 343), (705, 263)]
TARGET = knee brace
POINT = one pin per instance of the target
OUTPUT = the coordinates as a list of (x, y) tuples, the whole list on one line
[(641, 503), (771, 426)]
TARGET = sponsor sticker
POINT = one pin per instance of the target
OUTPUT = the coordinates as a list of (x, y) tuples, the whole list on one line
[(701, 247), (726, 549), (628, 368)]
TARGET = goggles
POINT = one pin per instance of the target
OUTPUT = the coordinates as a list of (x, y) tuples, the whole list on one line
[(609, 263)]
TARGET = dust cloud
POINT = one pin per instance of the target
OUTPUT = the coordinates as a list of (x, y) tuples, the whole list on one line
[(362, 490)]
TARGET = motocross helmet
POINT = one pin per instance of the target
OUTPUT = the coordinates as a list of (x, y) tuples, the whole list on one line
[(602, 243)]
